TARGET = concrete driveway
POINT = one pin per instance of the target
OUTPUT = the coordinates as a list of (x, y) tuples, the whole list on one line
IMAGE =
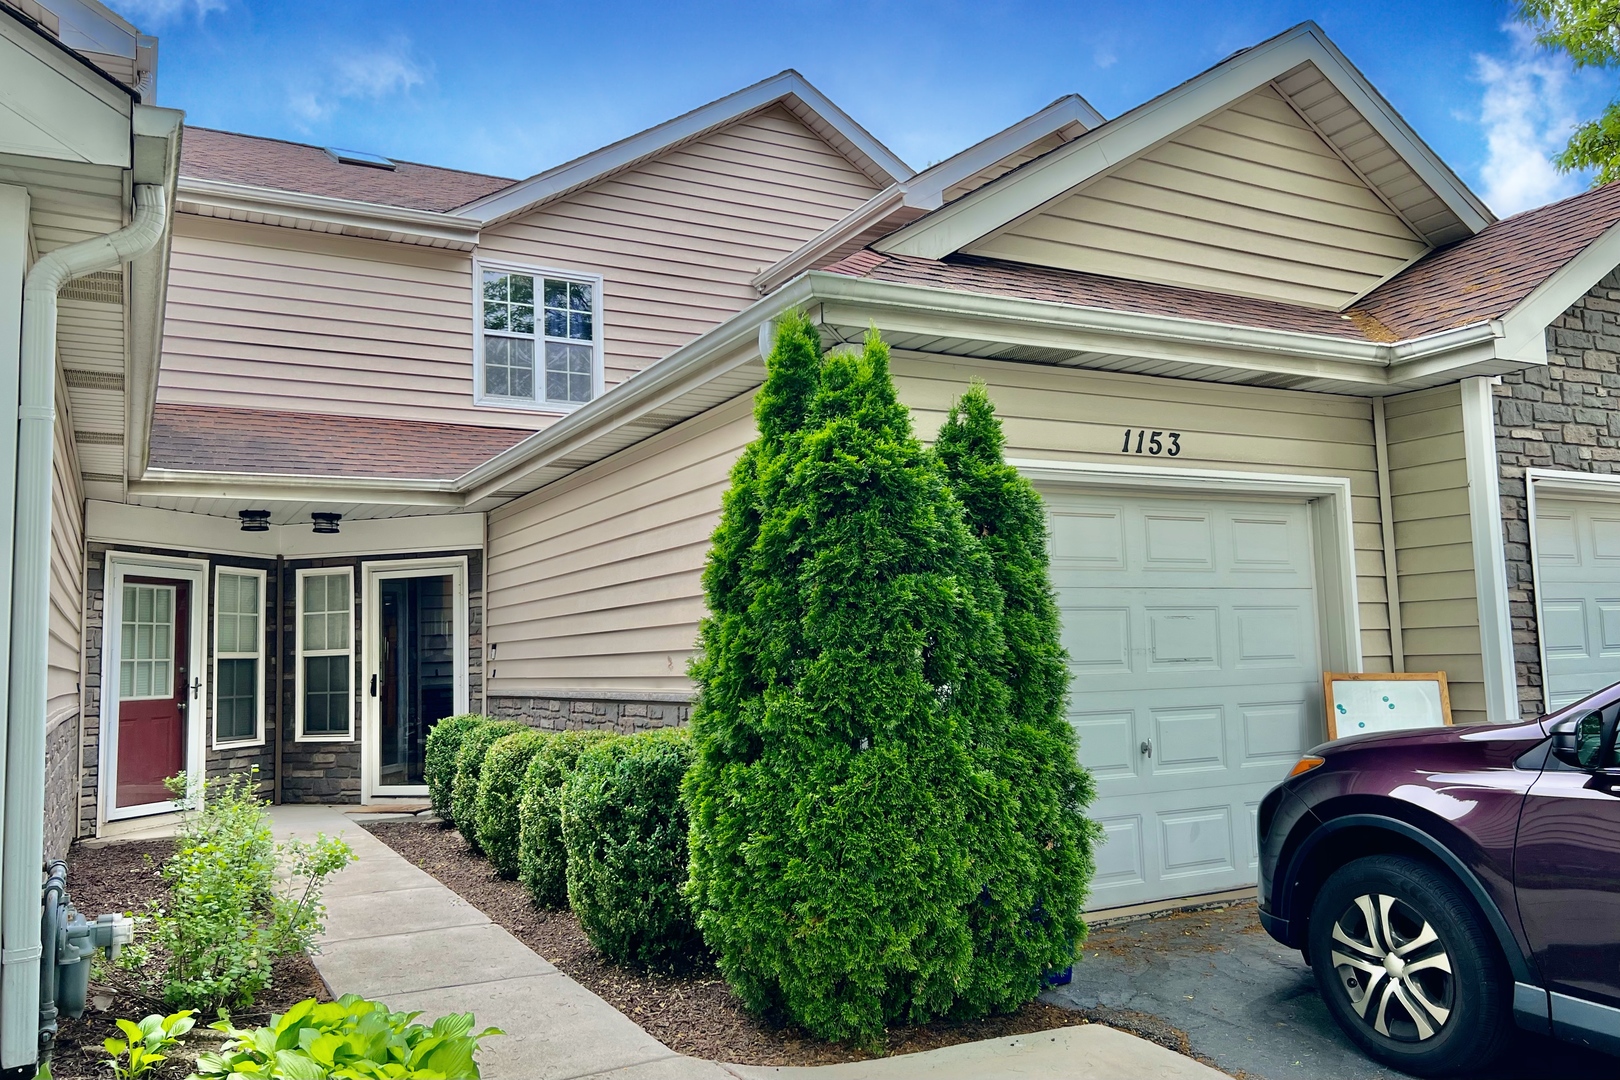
[(1247, 1005)]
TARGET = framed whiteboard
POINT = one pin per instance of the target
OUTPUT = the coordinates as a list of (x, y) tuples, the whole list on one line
[(1363, 703)]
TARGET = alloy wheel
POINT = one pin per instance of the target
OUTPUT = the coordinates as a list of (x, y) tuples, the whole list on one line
[(1394, 968)]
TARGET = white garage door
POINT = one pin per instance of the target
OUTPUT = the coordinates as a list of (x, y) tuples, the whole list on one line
[(1192, 635), (1578, 567)]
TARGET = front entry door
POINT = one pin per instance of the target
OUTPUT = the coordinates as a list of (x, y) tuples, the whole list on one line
[(415, 684), (154, 689)]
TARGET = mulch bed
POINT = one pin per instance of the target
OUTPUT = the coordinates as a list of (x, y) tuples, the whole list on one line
[(123, 877), (696, 1013)]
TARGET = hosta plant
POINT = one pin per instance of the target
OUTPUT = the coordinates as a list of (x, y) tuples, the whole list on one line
[(142, 1048), (347, 1039)]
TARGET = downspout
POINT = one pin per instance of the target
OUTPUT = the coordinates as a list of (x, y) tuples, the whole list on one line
[(22, 849), (281, 679)]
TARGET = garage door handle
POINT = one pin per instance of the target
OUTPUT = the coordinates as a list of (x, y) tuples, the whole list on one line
[(1147, 748)]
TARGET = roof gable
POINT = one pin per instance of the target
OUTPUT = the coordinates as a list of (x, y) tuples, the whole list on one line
[(1293, 105), (1251, 201)]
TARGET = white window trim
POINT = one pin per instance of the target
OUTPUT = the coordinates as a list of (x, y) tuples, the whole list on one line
[(299, 654), (598, 361), (257, 738)]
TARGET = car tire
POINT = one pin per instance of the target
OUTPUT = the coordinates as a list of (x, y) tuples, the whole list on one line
[(1408, 967)]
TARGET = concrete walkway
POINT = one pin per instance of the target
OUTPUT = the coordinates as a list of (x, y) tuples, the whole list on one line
[(395, 934)]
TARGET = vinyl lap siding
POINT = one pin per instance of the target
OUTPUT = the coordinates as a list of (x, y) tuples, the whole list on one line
[(1428, 482), (679, 239), (1251, 202), (595, 581)]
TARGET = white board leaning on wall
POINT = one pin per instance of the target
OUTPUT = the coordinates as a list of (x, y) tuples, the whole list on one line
[(1364, 703)]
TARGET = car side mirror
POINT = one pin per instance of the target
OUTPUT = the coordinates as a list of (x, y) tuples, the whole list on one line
[(1589, 744)]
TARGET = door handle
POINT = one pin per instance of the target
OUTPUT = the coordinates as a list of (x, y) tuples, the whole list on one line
[(373, 685), (196, 687), (1147, 748)]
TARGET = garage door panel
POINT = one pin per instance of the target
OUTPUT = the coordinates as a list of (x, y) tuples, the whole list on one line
[(1274, 733), (1088, 539), (1121, 859), (1197, 842), (1183, 638), (1177, 541), (1605, 539), (1189, 740), (1098, 639), (1263, 544), (1578, 567), (1274, 635), (1108, 743)]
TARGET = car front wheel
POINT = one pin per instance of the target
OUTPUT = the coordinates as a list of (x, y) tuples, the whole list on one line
[(1408, 968)]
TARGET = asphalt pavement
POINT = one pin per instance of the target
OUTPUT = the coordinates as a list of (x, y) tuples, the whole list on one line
[(1215, 982)]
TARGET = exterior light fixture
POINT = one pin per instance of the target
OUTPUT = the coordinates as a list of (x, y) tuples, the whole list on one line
[(254, 520), (326, 523)]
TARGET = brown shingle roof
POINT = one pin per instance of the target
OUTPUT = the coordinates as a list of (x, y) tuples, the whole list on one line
[(248, 159), (1470, 282), (272, 442)]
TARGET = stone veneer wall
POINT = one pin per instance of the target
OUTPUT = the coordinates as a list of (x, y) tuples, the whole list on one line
[(1564, 416), (591, 714), (61, 784)]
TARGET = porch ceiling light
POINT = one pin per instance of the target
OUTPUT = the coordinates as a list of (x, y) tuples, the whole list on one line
[(254, 520), (326, 523)]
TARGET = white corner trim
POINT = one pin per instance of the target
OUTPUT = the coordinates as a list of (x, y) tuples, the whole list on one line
[(1332, 527), (787, 86), (1490, 559), (294, 209)]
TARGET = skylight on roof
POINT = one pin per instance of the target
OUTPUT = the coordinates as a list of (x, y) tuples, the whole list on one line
[(360, 157)]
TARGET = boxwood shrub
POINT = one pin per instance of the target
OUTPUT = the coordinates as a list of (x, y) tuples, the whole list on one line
[(625, 829), (542, 858), (469, 768), (439, 757), (500, 792)]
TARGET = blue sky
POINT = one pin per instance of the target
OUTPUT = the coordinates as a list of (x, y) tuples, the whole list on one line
[(513, 88)]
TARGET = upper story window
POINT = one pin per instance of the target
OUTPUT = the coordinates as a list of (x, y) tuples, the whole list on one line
[(540, 339)]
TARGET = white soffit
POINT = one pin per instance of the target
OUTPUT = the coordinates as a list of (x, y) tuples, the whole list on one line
[(1307, 71), (789, 89)]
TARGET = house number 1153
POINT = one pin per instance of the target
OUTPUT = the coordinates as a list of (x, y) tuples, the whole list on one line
[(1138, 441)]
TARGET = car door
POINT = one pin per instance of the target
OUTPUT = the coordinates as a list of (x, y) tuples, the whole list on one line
[(1567, 875)]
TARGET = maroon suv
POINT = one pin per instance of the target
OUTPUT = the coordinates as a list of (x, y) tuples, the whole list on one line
[(1441, 881)]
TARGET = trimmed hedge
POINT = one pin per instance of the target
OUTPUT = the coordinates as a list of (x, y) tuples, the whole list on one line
[(625, 828), (439, 757), (469, 768), (542, 857), (500, 792)]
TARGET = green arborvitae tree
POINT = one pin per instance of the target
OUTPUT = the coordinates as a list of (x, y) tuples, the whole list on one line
[(1588, 31), (1029, 921), (852, 650)]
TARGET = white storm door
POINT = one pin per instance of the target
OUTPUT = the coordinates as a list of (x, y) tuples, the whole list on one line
[(1192, 633), (1578, 574)]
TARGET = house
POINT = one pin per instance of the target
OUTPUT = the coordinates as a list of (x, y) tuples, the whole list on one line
[(421, 441)]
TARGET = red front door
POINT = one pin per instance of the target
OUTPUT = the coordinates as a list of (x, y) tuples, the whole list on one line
[(153, 688)]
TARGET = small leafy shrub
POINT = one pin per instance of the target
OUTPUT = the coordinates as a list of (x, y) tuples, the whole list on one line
[(542, 856), (228, 914), (142, 1048), (347, 1039), (439, 758), (500, 793), (469, 769), (625, 830)]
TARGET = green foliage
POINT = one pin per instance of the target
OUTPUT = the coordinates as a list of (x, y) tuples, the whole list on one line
[(851, 655), (439, 757), (1588, 31), (625, 830), (1036, 848), (542, 856), (351, 1039), (475, 745), (142, 1048), (500, 791), (228, 915)]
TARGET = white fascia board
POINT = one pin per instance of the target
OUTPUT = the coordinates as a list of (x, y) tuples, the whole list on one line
[(980, 213), (400, 224), (787, 85), (158, 133), (261, 487), (1526, 324), (149, 526)]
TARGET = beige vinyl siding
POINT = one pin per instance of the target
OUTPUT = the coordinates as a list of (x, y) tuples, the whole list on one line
[(679, 239), (1428, 483), (268, 318), (1251, 202), (67, 577), (595, 580)]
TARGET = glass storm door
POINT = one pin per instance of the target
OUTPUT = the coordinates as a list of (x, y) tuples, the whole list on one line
[(415, 685), (153, 689)]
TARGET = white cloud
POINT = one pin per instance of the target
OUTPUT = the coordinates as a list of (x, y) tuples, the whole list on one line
[(359, 73), (1527, 117), (147, 14)]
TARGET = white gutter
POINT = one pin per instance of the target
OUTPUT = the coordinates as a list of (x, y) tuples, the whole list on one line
[(23, 846), (397, 223)]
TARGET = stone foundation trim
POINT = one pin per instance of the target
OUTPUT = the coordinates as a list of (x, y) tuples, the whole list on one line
[(625, 714)]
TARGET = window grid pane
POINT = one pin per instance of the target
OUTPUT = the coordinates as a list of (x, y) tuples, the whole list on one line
[(236, 714), (146, 642), (565, 327), (327, 625)]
